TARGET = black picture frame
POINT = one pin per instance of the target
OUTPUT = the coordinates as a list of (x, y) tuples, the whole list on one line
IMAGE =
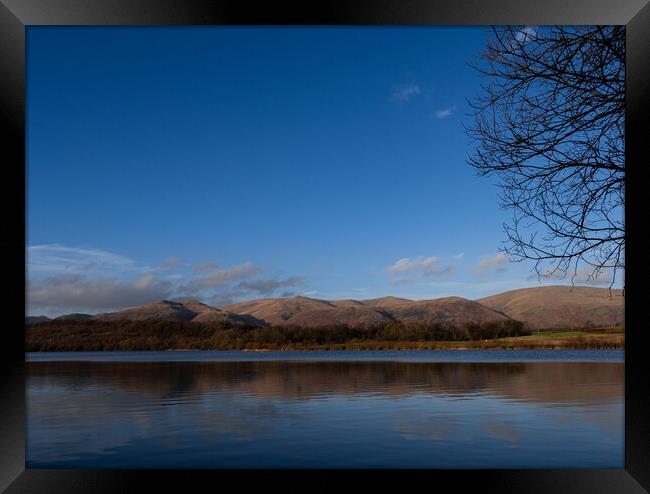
[(16, 15)]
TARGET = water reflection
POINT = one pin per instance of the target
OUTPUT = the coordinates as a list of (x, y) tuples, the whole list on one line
[(324, 414)]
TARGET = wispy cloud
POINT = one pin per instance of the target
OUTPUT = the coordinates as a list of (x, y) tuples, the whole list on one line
[(411, 270), (419, 264), (217, 277), (282, 287), (269, 286), (583, 276), (221, 285), (172, 262), (491, 265), (405, 92), (494, 261), (445, 112), (205, 266), (54, 259), (76, 293), (71, 279)]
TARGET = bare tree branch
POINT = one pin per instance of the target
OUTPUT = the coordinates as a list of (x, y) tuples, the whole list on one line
[(549, 123)]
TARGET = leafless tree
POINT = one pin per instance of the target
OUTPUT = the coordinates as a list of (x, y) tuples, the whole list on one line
[(549, 123)]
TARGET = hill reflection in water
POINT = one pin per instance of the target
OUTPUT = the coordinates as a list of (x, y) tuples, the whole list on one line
[(324, 414)]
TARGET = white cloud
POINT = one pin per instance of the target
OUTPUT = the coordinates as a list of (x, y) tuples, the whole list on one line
[(217, 277), (584, 276), (245, 290), (172, 262), (54, 259), (205, 266), (445, 112), (76, 293), (491, 265), (420, 267), (269, 286), (405, 92), (420, 264), (144, 282), (494, 261), (65, 279)]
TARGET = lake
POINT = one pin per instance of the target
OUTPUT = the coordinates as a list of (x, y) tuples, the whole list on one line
[(403, 409)]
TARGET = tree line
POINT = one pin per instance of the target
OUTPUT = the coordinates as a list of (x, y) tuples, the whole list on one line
[(92, 335)]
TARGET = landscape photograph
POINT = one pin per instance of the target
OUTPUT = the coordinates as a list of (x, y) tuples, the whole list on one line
[(325, 247)]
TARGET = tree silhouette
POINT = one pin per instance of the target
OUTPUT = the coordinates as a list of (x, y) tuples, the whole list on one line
[(549, 123)]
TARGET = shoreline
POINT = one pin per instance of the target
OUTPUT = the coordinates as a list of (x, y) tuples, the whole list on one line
[(423, 346), (113, 340)]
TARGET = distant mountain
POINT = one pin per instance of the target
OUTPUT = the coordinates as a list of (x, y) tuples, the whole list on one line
[(185, 310), (454, 310), (539, 308), (385, 302), (198, 307), (207, 313), (348, 315), (29, 320), (164, 310), (560, 306), (278, 311), (76, 316), (307, 312)]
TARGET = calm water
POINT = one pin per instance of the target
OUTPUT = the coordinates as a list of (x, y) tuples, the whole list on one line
[(440, 409)]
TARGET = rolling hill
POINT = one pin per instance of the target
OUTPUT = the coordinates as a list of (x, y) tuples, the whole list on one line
[(29, 320), (75, 316), (307, 312), (164, 310), (277, 311), (548, 307), (186, 310), (551, 307)]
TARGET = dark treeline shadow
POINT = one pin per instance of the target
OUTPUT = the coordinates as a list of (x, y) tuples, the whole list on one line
[(92, 335), (569, 382)]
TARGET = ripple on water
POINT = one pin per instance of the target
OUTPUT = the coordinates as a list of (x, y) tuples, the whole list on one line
[(326, 413)]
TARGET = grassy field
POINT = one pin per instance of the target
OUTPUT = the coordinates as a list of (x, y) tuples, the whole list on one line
[(588, 339)]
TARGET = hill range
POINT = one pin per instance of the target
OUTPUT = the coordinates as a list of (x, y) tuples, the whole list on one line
[(548, 307)]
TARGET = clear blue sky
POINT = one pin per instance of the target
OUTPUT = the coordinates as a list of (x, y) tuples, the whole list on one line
[(236, 163)]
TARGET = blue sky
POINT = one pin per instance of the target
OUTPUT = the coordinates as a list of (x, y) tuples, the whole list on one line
[(236, 163)]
